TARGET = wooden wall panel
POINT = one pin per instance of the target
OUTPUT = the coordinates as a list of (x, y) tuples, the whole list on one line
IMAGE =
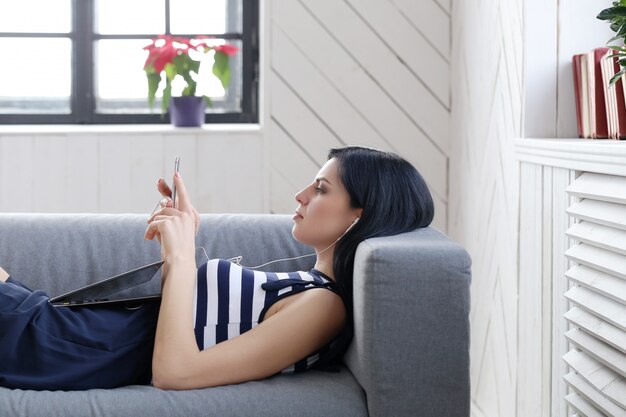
[(343, 118), (359, 73), (116, 172), (229, 175), (82, 168), (486, 75), (17, 166), (431, 20), (50, 189)]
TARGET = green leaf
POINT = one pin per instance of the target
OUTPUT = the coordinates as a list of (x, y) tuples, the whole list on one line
[(154, 80), (615, 26), (616, 77), (612, 13), (221, 68), (190, 90), (617, 48), (181, 62), (208, 101), (194, 66), (167, 94), (622, 30), (170, 70), (614, 38), (184, 66)]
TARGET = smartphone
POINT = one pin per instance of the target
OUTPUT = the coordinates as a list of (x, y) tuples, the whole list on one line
[(176, 167)]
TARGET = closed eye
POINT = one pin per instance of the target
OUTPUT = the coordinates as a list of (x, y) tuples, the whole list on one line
[(319, 190)]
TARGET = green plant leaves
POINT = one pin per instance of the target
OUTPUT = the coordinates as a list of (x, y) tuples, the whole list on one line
[(184, 67), (616, 15), (221, 68), (612, 13), (167, 94), (153, 85), (617, 77), (174, 60), (170, 71)]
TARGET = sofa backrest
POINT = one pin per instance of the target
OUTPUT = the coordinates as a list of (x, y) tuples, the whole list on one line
[(59, 252)]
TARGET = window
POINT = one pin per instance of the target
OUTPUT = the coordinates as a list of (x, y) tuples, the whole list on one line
[(81, 61)]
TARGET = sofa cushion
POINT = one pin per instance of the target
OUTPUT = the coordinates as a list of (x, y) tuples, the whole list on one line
[(311, 393)]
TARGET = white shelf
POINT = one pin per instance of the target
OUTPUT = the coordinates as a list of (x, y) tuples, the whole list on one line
[(604, 156), (162, 129)]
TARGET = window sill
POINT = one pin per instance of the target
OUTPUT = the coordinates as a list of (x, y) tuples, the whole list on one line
[(604, 156), (162, 129)]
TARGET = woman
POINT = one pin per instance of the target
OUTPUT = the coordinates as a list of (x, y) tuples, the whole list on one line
[(359, 193)]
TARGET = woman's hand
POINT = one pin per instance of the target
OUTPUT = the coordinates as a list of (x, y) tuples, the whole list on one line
[(166, 192), (175, 228)]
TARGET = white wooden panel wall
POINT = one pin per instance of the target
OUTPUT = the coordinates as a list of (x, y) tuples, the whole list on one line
[(486, 73), (117, 171), (358, 72)]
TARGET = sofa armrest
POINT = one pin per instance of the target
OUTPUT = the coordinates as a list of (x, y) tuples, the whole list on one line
[(410, 351)]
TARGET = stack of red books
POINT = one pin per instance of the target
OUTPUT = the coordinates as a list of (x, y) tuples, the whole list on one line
[(600, 109)]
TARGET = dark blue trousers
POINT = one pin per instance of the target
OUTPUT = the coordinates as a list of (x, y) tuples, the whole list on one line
[(59, 348)]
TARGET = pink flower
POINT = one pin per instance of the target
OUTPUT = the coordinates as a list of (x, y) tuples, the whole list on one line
[(227, 49), (163, 51)]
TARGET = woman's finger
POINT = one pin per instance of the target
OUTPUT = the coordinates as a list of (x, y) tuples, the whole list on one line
[(163, 188), (169, 211), (153, 230), (184, 203), (196, 218)]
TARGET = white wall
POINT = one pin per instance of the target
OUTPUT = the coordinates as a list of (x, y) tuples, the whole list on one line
[(487, 83), (114, 169), (334, 73)]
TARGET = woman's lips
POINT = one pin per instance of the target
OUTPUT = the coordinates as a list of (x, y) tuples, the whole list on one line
[(296, 216)]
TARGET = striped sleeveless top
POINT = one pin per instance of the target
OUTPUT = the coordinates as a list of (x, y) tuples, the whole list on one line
[(230, 300)]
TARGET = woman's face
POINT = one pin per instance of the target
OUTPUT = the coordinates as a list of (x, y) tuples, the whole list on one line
[(324, 211)]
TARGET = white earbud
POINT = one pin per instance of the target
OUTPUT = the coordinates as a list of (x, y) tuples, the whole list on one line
[(352, 225), (238, 259)]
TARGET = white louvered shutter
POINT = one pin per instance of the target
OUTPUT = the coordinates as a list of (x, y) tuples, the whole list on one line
[(597, 360)]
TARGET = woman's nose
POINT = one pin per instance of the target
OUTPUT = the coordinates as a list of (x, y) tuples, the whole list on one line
[(300, 196)]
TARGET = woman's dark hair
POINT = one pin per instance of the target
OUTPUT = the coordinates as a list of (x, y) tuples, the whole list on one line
[(394, 198)]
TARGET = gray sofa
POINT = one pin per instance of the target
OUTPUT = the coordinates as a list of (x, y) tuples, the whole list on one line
[(409, 355)]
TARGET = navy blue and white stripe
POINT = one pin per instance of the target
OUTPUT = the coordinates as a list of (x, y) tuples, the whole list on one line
[(229, 300)]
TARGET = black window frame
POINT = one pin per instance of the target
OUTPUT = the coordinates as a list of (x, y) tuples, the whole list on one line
[(82, 99)]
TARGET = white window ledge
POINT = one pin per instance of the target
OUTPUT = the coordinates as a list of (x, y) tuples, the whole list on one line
[(162, 129), (604, 156)]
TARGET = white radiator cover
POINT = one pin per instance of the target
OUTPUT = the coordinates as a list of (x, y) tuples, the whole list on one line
[(597, 359)]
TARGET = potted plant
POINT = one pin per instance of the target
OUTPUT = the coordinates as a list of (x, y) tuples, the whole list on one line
[(616, 16), (174, 56)]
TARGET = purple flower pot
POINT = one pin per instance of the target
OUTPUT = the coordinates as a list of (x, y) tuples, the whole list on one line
[(187, 111)]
